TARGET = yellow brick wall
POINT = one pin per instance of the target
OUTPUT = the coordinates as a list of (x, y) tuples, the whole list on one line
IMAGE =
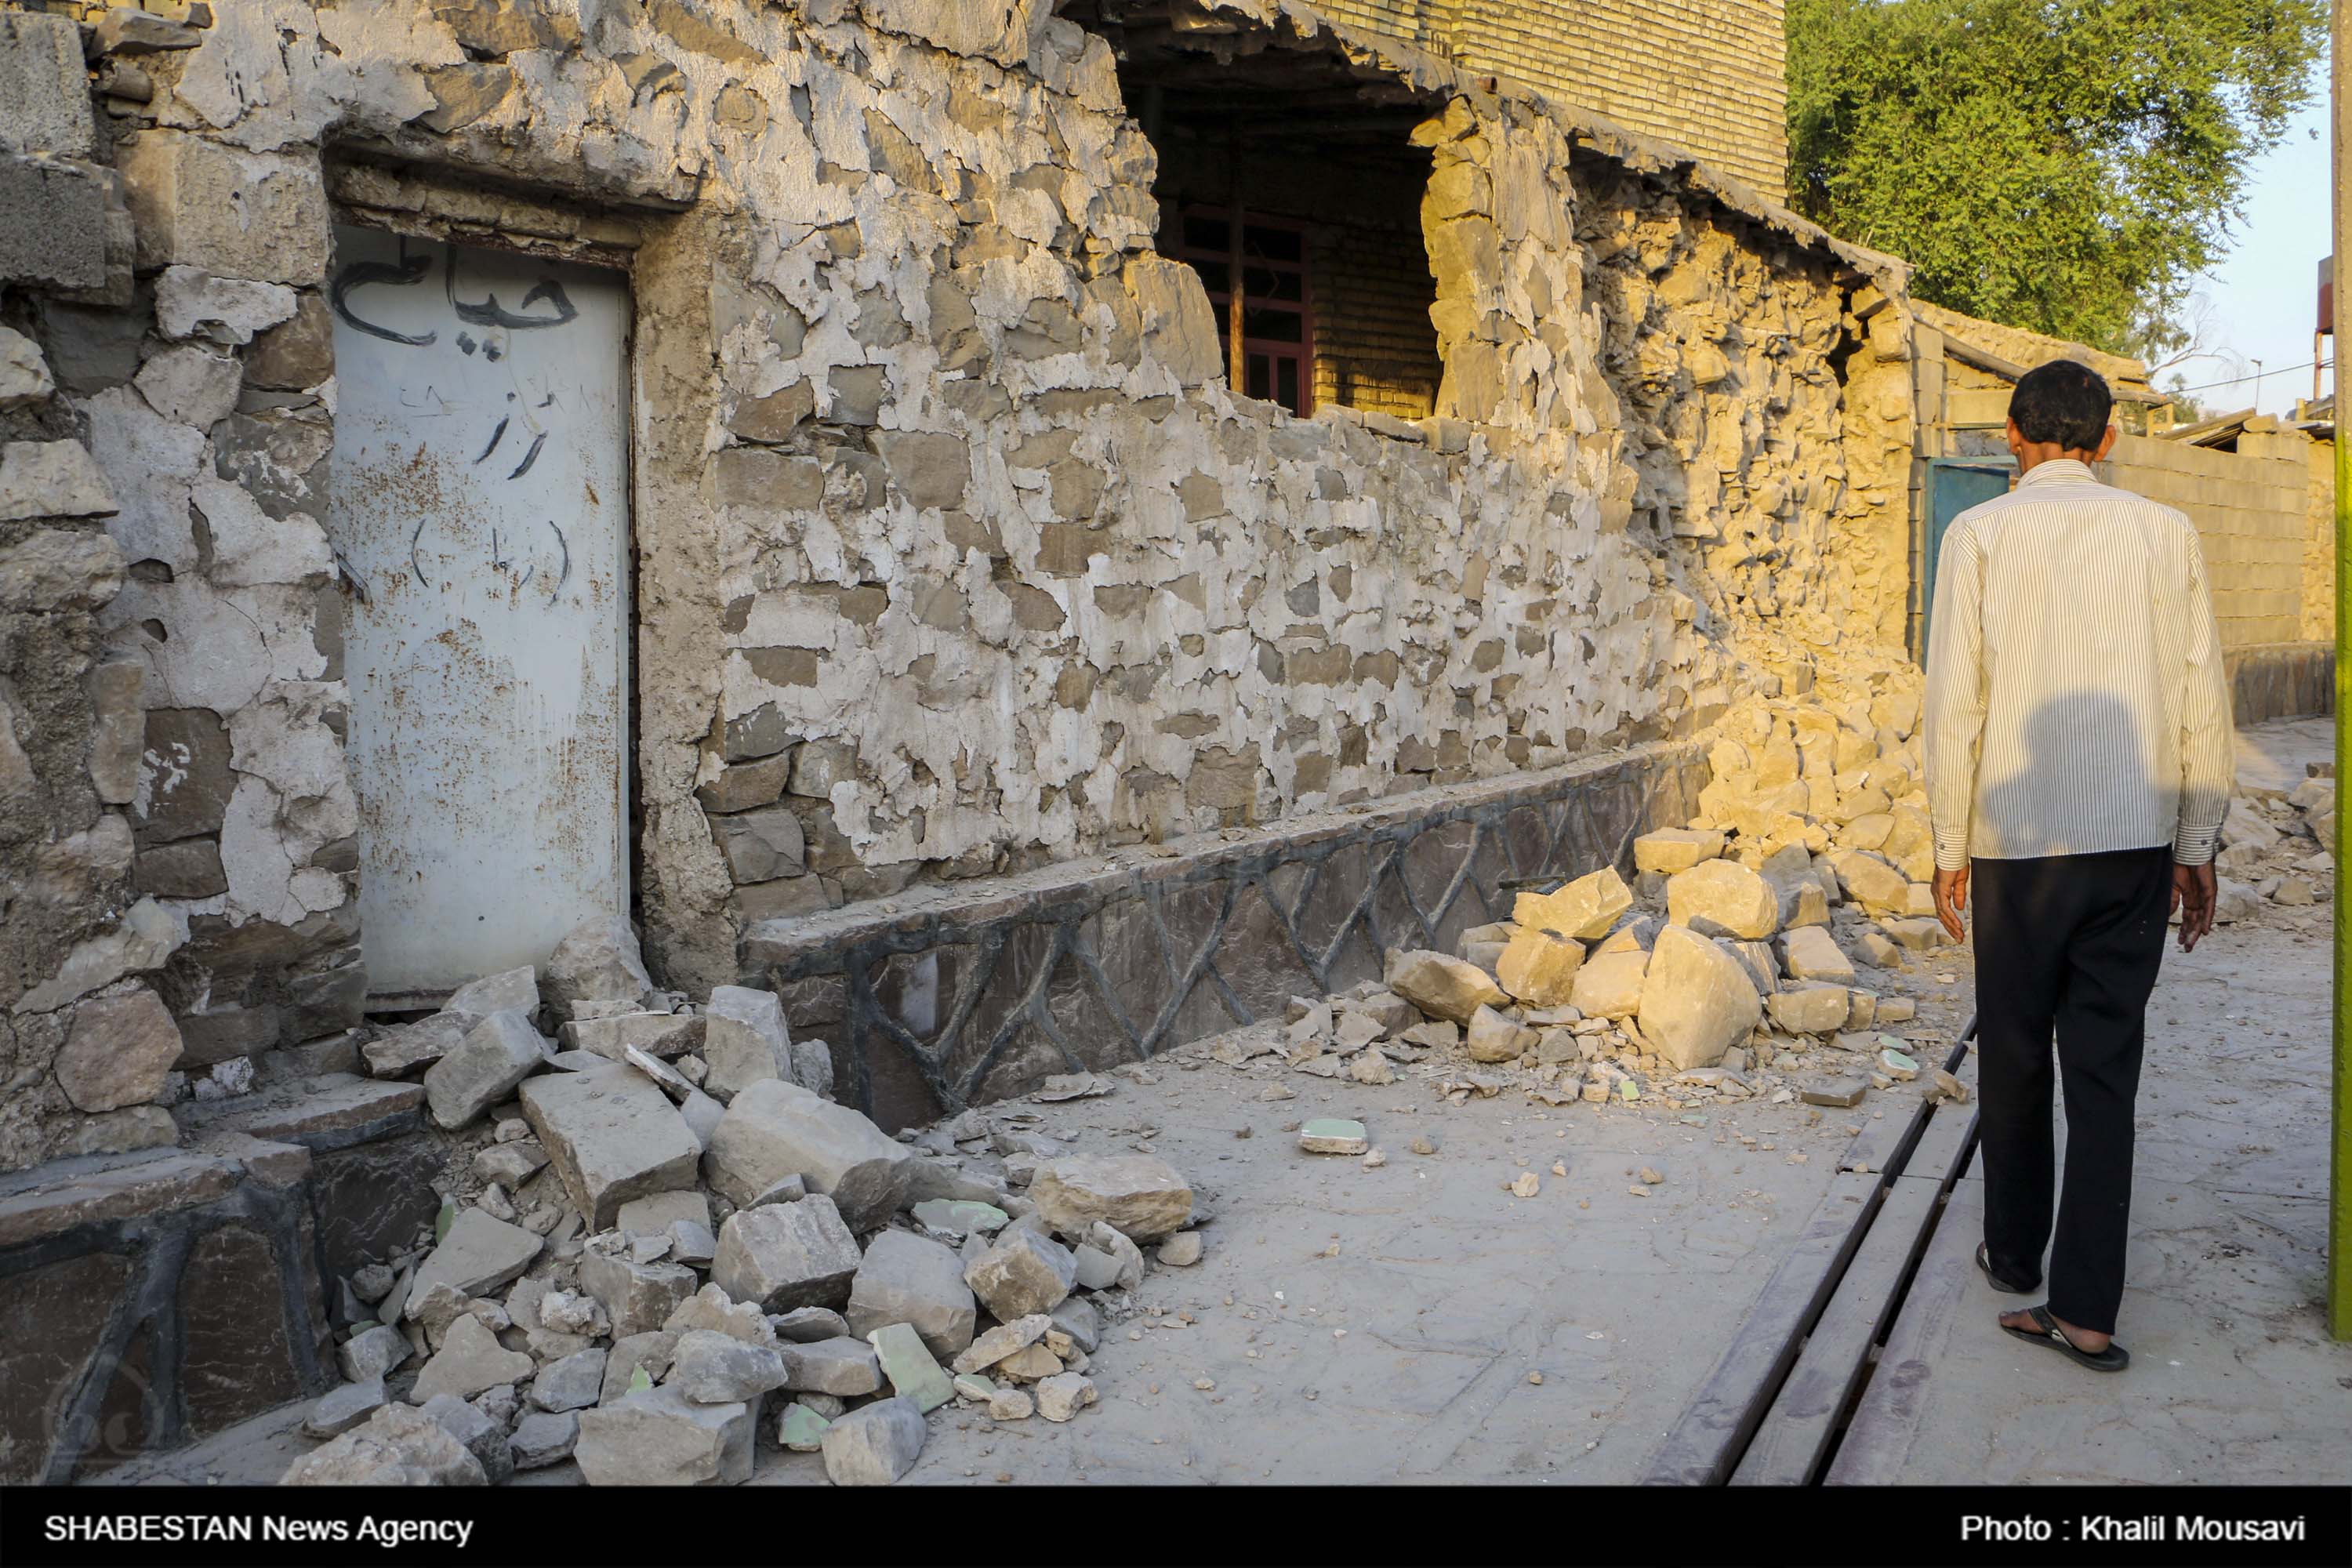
[(2319, 544), (1704, 75), (1374, 347), (2252, 508)]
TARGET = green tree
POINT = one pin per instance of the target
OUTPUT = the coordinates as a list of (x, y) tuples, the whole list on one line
[(2063, 166)]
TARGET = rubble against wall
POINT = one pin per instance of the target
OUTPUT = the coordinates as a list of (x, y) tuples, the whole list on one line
[(956, 556)]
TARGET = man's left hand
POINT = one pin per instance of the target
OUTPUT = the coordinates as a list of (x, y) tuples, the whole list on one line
[(1951, 899)]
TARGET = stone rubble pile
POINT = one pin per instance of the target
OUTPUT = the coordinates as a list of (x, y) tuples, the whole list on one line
[(675, 1246), (2276, 847), (1732, 968)]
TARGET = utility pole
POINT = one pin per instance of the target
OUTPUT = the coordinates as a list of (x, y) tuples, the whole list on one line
[(2339, 1218)]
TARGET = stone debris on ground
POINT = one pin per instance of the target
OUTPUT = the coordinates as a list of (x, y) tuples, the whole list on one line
[(669, 1245), (612, 1285)]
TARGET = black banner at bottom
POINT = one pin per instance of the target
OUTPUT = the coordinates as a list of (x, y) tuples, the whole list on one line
[(186, 1527)]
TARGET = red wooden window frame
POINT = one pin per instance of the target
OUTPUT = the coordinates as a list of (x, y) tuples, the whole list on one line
[(1266, 279)]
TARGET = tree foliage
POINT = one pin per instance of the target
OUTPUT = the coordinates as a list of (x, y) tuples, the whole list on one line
[(2063, 166)]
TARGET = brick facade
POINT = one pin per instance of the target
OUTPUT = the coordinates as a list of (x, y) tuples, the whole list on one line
[(1706, 75)]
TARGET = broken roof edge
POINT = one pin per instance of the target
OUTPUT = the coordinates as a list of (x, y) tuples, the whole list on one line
[(1630, 150)]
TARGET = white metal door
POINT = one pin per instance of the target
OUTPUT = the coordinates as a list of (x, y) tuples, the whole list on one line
[(480, 506)]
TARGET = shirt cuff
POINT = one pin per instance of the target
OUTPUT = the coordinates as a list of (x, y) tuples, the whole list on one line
[(2194, 846), (1951, 850)]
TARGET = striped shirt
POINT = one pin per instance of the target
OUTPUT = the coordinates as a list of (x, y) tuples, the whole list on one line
[(2076, 702)]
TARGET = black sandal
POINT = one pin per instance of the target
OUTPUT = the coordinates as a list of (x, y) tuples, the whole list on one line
[(1984, 1263), (2114, 1358)]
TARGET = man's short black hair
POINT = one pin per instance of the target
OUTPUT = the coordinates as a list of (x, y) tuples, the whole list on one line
[(2065, 402)]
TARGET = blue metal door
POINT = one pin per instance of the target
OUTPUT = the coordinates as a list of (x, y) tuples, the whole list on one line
[(1954, 485)]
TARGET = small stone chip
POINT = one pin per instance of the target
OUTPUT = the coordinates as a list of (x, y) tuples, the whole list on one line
[(1376, 1159), (1525, 1186), (1650, 1177), (1422, 1144)]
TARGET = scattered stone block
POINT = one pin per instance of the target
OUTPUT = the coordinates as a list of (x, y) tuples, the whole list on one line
[(1004, 1339), (876, 1446), (1810, 953), (1022, 1273), (1811, 1009), (908, 1278), (1442, 986), (1491, 1037), (597, 961), (542, 1439), (745, 1040), (1697, 1001), (1610, 985), (1063, 1395), (657, 1436), (1918, 935), (484, 1437), (495, 1055), (775, 1128), (572, 1382), (801, 1429), (787, 1255), (1841, 1093), (809, 1323), (343, 1408), (476, 1255), (470, 1360), (1539, 968), (1673, 849), (1584, 909), (913, 1372), (1723, 899), (1182, 1250), (1140, 1196), (639, 1296), (399, 1445), (1334, 1135), (612, 1136), (843, 1367), (711, 1368)]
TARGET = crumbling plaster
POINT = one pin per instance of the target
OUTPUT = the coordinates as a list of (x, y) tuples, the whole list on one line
[(955, 554)]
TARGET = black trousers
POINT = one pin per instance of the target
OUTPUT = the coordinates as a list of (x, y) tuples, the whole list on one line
[(2066, 946)]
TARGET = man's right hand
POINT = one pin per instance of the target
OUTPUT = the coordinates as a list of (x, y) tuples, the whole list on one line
[(1951, 890), (2194, 894)]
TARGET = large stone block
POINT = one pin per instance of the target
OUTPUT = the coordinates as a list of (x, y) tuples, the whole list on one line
[(659, 1437), (908, 1278), (1723, 898), (744, 1040), (612, 1136), (1022, 1273), (51, 479), (597, 961), (481, 1253), (639, 1296), (876, 1446), (1141, 1196), (784, 1255), (1442, 985), (1697, 1001), (240, 214), (775, 1128), (1539, 968), (497, 1054), (1584, 909)]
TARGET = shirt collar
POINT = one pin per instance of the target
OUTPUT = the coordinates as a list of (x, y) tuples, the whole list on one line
[(2058, 470)]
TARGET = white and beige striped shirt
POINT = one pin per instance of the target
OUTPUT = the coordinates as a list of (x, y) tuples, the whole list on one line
[(2075, 701)]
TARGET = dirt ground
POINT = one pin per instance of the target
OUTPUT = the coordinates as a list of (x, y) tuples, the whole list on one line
[(1363, 1325)]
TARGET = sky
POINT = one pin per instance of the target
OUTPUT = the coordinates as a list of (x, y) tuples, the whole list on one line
[(2265, 294)]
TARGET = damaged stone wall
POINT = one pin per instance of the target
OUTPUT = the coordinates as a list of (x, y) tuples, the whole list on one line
[(956, 556), (84, 1046)]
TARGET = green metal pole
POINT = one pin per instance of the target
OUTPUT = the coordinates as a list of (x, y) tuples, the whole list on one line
[(2339, 1222)]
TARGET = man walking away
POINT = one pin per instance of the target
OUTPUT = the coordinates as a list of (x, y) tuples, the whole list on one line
[(2078, 768)]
